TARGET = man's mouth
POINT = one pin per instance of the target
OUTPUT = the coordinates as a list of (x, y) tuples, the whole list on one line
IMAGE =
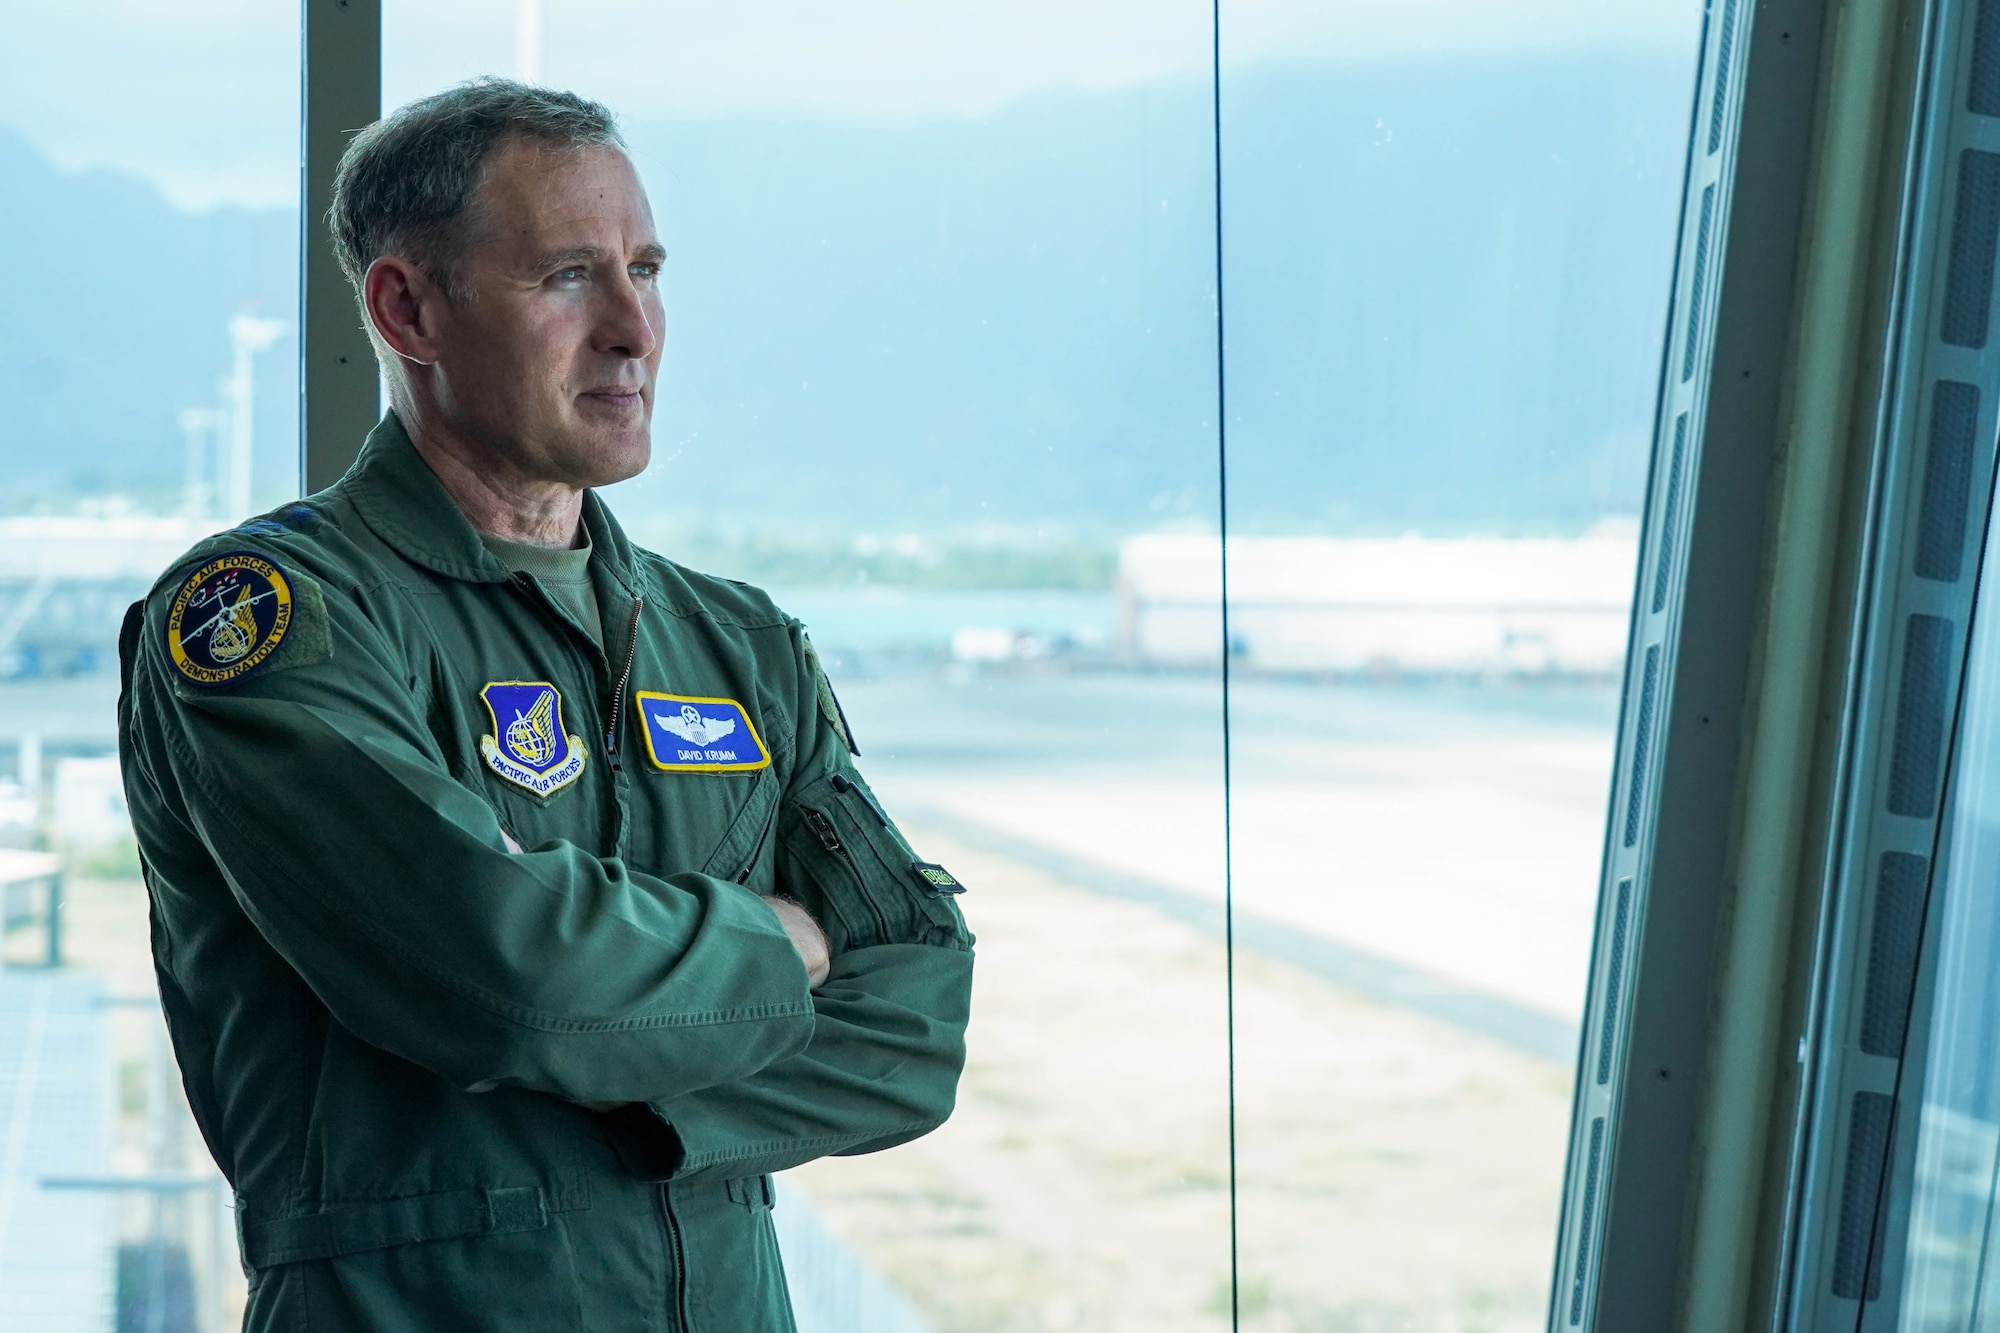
[(615, 395)]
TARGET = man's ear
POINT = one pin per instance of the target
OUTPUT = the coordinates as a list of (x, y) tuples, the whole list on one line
[(404, 305)]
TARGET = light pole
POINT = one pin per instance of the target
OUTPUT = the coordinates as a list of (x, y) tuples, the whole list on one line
[(248, 335), (199, 424), (528, 40)]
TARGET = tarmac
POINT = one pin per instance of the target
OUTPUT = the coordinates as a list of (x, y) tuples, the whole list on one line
[(1435, 846)]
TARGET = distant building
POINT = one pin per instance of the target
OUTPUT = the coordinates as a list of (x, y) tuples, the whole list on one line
[(65, 583), (89, 805), (1383, 606)]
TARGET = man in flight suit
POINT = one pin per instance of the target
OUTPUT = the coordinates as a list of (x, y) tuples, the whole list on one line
[(517, 908)]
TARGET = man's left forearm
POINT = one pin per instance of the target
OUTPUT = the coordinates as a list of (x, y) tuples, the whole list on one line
[(882, 1067)]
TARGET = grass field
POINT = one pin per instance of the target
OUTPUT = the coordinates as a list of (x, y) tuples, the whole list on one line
[(1394, 1173)]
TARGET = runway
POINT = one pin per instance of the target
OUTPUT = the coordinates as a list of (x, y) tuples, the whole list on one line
[(1433, 846)]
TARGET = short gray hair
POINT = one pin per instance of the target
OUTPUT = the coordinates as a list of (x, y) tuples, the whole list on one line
[(406, 184)]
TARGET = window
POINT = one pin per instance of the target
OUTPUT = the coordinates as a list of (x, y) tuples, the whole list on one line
[(150, 161), (1448, 263), (1947, 1265), (940, 336), (1284, 896)]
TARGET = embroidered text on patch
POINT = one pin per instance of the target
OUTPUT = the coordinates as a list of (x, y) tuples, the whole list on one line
[(689, 734), (228, 618), (937, 877), (528, 745)]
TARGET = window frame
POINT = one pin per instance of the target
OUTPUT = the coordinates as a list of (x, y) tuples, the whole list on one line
[(1851, 1199), (340, 93), (1804, 128)]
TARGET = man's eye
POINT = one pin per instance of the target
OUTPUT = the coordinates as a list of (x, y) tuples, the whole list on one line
[(646, 270), (568, 275)]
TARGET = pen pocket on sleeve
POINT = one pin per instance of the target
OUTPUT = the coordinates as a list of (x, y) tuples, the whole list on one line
[(908, 898)]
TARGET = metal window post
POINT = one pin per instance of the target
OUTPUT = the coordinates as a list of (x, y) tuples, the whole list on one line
[(55, 937), (342, 79), (1772, 421)]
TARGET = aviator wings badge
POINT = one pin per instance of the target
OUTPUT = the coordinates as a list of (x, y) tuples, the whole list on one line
[(528, 746)]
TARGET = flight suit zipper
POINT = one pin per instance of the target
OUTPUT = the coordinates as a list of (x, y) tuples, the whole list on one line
[(617, 711), (679, 1252)]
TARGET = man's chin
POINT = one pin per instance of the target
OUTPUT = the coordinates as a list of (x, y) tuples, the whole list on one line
[(606, 462)]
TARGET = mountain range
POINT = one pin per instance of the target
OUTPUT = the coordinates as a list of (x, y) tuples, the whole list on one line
[(1444, 295)]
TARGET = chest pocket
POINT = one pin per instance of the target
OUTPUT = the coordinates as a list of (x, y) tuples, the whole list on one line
[(744, 856)]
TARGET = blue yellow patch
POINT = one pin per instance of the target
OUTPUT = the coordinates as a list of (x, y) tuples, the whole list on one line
[(229, 618), (688, 734), (528, 745)]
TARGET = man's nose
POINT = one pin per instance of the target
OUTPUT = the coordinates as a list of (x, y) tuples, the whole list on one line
[(625, 326)]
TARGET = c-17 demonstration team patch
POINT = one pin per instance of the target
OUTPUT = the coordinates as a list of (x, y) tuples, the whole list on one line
[(689, 734), (228, 618), (528, 746)]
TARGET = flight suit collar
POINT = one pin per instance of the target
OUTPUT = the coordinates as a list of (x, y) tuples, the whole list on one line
[(403, 501), (615, 552)]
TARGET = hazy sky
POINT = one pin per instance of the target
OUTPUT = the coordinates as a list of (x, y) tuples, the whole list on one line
[(201, 96)]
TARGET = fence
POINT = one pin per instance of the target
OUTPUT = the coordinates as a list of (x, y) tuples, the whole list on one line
[(834, 1290)]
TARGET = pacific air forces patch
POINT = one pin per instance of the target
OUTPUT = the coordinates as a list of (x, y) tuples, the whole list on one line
[(689, 734), (528, 746), (229, 618)]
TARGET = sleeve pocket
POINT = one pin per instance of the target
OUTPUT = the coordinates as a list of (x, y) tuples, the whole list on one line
[(854, 869)]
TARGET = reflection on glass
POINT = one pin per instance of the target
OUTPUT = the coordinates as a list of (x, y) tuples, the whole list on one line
[(149, 159), (1447, 265), (1952, 1280), (939, 339)]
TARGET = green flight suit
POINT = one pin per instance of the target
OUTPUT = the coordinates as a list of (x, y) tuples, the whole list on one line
[(388, 1023)]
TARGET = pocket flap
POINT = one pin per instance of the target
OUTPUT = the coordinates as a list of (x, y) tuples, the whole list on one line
[(737, 853), (352, 1228), (753, 1192)]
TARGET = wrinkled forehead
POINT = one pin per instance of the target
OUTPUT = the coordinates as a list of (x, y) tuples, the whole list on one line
[(538, 198)]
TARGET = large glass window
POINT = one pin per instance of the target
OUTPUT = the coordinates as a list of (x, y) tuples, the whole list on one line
[(1951, 1263), (942, 374), (939, 337), (1448, 261), (148, 396)]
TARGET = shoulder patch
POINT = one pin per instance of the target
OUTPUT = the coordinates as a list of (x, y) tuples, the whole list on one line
[(829, 703), (236, 613)]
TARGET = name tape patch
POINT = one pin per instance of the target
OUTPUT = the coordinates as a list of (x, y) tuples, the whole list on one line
[(528, 745), (937, 877), (687, 734), (229, 618)]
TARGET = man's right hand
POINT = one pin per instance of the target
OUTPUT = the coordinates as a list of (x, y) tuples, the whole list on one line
[(806, 937)]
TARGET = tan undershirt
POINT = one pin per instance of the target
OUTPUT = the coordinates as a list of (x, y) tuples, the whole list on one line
[(563, 575)]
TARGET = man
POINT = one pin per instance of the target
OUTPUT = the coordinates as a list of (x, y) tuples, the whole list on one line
[(517, 908)]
